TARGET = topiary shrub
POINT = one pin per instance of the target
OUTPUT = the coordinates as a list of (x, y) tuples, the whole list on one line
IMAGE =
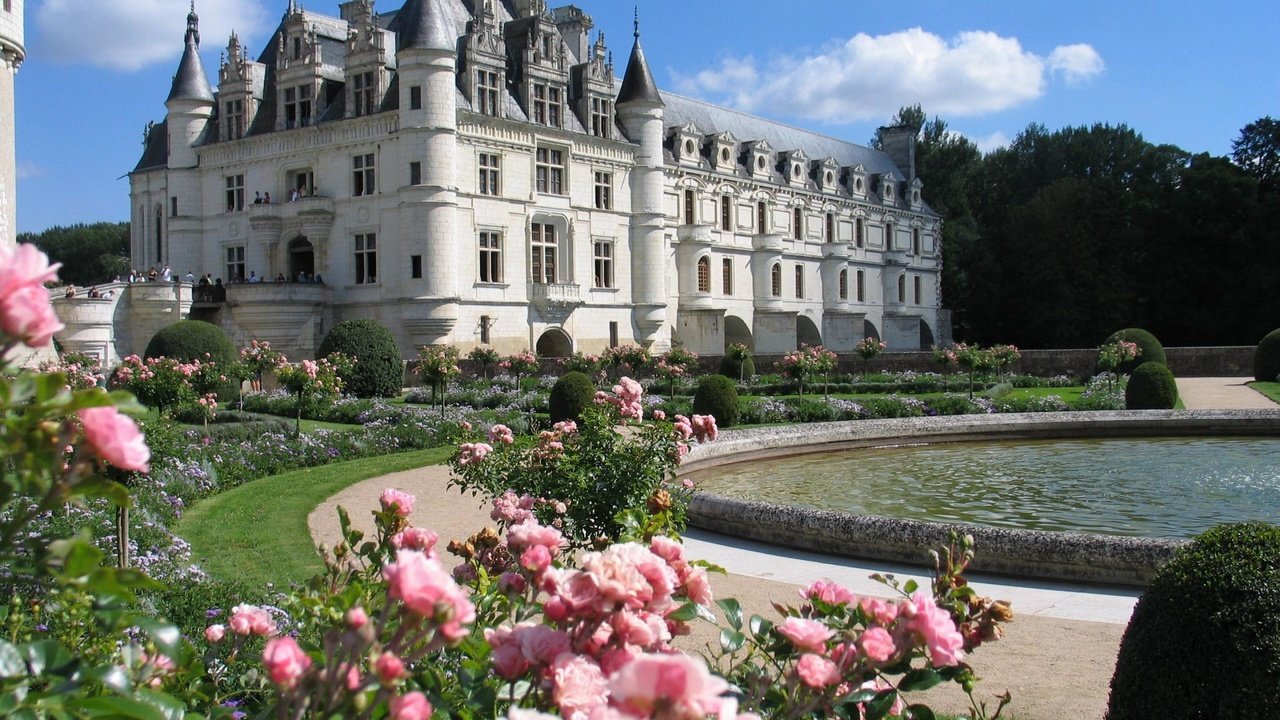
[(1204, 639), (572, 393), (189, 340), (717, 395), (1151, 387), (1149, 348), (740, 370), (1266, 359), (379, 366)]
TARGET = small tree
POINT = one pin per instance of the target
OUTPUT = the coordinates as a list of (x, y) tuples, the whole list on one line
[(486, 357), (312, 379), (806, 362), (868, 349), (584, 363), (946, 360), (258, 358), (738, 362), (1003, 356), (675, 364), (436, 364), (1113, 355), (519, 365), (975, 360), (626, 359)]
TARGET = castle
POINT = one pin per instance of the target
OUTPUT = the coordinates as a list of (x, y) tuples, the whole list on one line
[(473, 172), (12, 53)]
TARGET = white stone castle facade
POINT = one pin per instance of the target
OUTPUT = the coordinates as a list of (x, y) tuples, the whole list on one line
[(472, 172), (12, 53)]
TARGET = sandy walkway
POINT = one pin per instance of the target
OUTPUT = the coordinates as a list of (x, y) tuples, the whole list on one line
[(1222, 393), (1054, 668)]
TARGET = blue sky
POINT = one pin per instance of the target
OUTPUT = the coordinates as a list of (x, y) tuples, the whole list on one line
[(1185, 73)]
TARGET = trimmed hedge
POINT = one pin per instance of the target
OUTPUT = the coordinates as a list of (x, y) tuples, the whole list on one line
[(379, 367), (1149, 348), (1151, 387), (571, 394), (737, 371), (1266, 359), (1204, 640), (189, 340), (717, 395)]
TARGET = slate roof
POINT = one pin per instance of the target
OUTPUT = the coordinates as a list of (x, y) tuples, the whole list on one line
[(155, 153), (190, 82), (638, 85), (425, 24)]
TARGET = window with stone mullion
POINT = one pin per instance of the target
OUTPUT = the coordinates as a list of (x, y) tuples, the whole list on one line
[(366, 257), (549, 171), (486, 93), (543, 254), (603, 264), (490, 257)]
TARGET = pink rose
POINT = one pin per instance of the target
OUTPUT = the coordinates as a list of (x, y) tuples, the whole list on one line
[(659, 415), (806, 634), (529, 534), (401, 501), (535, 559), (214, 633), (501, 434), (935, 626), (578, 685), (356, 618), (411, 706), (27, 314), (816, 671), (877, 644), (389, 667), (677, 684), (285, 661), (115, 438), (879, 610), (251, 620), (415, 539), (429, 591), (829, 593)]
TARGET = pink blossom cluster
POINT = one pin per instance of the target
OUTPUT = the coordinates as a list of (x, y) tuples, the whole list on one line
[(501, 434), (627, 397), (427, 590), (401, 501), (26, 313), (549, 447), (472, 453), (79, 375), (511, 509), (115, 438)]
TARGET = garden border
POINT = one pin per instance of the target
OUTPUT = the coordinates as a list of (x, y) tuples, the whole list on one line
[(1063, 556)]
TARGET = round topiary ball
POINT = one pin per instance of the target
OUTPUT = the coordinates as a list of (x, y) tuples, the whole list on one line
[(189, 340), (1204, 639), (738, 371), (379, 366), (1149, 348), (571, 394), (1151, 387), (1266, 359), (717, 395)]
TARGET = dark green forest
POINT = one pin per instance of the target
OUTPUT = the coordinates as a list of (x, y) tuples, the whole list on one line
[(1062, 237), (89, 254)]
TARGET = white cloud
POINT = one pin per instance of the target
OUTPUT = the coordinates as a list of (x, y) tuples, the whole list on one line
[(994, 141), (27, 170), (1076, 63), (871, 77), (131, 34)]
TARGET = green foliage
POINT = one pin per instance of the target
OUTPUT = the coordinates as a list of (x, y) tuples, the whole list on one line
[(1266, 358), (1218, 599), (572, 393), (90, 254), (195, 606), (189, 340), (742, 370), (1149, 349), (379, 366), (1151, 387), (717, 395)]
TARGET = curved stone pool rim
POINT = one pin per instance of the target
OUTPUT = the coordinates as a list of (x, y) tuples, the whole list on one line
[(1063, 556)]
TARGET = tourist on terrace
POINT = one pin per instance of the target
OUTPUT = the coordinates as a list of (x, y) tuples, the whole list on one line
[(71, 291)]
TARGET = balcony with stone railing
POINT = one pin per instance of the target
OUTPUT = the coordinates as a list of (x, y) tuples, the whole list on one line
[(554, 301)]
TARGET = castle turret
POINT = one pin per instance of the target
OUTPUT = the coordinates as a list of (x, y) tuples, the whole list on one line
[(426, 57), (640, 110), (12, 53), (190, 103)]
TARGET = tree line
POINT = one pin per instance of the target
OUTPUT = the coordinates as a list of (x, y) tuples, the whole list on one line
[(90, 254), (1063, 237)]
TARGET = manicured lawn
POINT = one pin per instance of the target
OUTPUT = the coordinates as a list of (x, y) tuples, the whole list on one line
[(1068, 394), (313, 425), (257, 533), (1270, 388)]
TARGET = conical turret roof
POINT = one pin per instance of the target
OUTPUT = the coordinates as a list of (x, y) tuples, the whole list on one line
[(190, 83), (637, 84), (424, 24)]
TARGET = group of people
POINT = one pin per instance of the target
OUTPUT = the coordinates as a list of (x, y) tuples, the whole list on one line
[(93, 294), (163, 275), (297, 193)]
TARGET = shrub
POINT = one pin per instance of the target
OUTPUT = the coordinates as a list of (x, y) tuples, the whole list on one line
[(571, 394), (717, 395), (1149, 349), (379, 366), (741, 370), (189, 340), (1151, 387), (1218, 598), (1266, 359)]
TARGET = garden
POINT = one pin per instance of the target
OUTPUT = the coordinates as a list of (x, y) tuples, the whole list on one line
[(571, 605)]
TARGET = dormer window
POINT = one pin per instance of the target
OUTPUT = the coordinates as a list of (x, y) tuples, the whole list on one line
[(725, 156), (601, 117), (297, 106), (546, 105), (233, 121), (760, 163), (486, 100), (364, 94), (297, 48)]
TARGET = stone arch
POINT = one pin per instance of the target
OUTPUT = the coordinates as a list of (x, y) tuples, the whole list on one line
[(926, 335), (807, 332), (870, 330), (737, 331), (554, 342), (302, 258)]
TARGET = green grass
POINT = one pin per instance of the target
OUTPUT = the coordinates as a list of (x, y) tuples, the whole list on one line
[(313, 425), (257, 533), (1269, 388)]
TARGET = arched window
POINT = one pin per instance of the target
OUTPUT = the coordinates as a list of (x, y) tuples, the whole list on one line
[(726, 276), (915, 241), (902, 288), (916, 287), (797, 220), (775, 280), (704, 274), (844, 284)]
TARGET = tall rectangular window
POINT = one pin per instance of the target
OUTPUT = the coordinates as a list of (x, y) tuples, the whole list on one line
[(366, 258), (604, 190), (235, 263), (843, 285), (490, 173), (173, 206), (797, 218), (486, 322), (704, 274), (762, 217), (915, 241), (831, 227), (726, 276), (415, 267), (858, 230), (775, 280), (364, 94), (902, 288), (915, 281), (554, 106), (613, 333), (889, 239), (362, 175), (297, 106), (603, 262), (490, 257), (486, 92), (726, 212), (415, 173), (542, 259), (541, 114), (799, 280), (689, 199), (235, 193), (862, 287), (601, 117), (415, 97), (234, 120), (549, 171)]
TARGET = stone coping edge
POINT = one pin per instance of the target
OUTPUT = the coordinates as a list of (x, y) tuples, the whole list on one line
[(1061, 556)]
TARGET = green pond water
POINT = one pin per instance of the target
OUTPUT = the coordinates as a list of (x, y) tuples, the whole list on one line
[(1149, 487)]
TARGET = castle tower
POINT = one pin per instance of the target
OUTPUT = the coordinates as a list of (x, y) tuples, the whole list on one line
[(640, 110), (190, 105), (12, 53), (426, 55)]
